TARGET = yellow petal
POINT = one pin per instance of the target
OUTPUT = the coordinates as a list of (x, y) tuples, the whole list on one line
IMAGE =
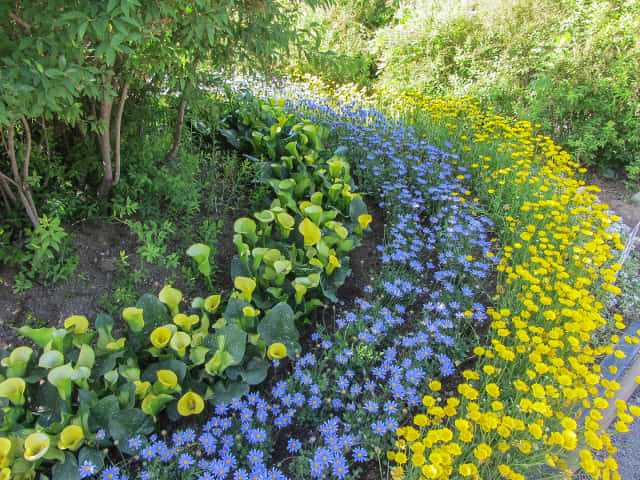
[(160, 337)]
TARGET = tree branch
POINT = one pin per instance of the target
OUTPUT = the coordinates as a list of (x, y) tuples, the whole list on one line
[(27, 155), (123, 98), (20, 21)]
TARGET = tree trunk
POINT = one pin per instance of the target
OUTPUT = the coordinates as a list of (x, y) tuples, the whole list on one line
[(111, 175), (171, 155), (20, 174)]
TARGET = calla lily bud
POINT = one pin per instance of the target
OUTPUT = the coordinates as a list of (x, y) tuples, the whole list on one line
[(167, 378), (211, 303), (160, 337), (190, 404), (70, 438), (179, 342), (276, 351), (249, 311), (134, 318), (79, 323), (13, 389), (171, 297), (35, 446)]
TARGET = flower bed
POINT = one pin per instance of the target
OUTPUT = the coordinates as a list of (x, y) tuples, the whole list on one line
[(375, 387)]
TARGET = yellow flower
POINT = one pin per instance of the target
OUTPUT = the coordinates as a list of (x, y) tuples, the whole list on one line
[(160, 337), (310, 231), (191, 403), (171, 297), (184, 321), (13, 389), (134, 318), (493, 390), (400, 458), (179, 342), (435, 385), (70, 437), (35, 446), (468, 470), (246, 286), (5, 473), (211, 303), (141, 387), (79, 323), (5, 448), (276, 351), (482, 452), (364, 221), (167, 378)]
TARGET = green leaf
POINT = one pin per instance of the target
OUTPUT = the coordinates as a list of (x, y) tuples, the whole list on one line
[(67, 470), (154, 313), (226, 393), (102, 412), (235, 342), (127, 424), (96, 457), (40, 336), (278, 325), (357, 207), (255, 371)]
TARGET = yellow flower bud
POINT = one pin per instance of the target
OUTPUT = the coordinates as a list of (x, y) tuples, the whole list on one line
[(276, 351)]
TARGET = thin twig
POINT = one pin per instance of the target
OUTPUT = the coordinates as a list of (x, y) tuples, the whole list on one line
[(20, 21)]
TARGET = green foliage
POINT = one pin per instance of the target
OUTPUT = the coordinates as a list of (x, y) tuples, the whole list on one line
[(571, 66)]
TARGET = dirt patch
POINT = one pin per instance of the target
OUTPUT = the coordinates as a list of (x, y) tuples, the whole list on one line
[(97, 246)]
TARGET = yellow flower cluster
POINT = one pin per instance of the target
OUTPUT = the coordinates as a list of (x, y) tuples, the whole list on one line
[(537, 395)]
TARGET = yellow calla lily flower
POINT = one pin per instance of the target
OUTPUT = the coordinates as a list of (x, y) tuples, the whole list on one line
[(310, 231), (211, 303), (160, 337), (5, 448), (179, 342), (13, 389), (332, 264), (364, 221), (142, 387), (17, 361), (35, 446), (171, 297), (276, 351), (70, 437), (134, 317), (79, 323), (167, 378), (246, 285), (186, 321), (190, 404)]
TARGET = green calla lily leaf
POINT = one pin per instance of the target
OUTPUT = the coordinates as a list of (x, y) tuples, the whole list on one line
[(278, 325)]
